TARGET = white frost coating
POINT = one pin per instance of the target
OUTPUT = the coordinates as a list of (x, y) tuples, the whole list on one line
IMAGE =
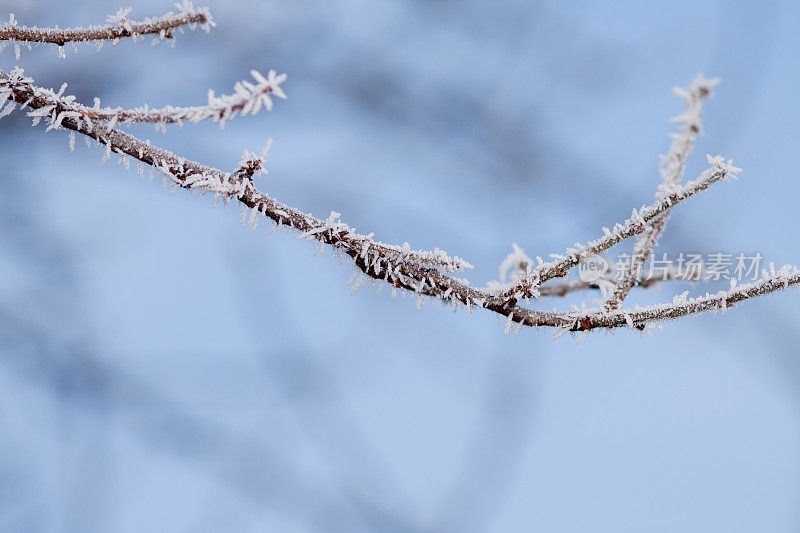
[(119, 19), (673, 164), (517, 261), (378, 253)]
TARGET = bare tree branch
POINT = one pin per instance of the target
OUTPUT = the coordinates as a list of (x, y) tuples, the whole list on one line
[(119, 27)]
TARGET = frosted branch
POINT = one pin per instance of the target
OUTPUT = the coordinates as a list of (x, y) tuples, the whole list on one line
[(672, 168), (119, 27), (247, 99), (608, 282), (52, 107), (681, 306), (638, 222)]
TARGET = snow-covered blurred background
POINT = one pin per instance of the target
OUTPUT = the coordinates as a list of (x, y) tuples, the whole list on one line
[(163, 369)]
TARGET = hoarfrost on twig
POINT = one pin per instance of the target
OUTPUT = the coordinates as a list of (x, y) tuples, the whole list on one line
[(119, 27)]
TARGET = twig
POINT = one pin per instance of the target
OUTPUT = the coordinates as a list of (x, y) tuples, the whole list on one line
[(681, 306), (248, 98), (562, 289), (672, 169), (118, 28)]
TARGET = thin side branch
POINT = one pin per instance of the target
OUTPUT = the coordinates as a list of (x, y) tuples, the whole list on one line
[(248, 98), (527, 285), (562, 289), (681, 306), (119, 27), (673, 166)]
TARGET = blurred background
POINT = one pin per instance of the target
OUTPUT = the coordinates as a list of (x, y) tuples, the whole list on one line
[(164, 369)]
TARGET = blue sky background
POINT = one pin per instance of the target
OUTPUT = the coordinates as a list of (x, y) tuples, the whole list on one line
[(163, 369)]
